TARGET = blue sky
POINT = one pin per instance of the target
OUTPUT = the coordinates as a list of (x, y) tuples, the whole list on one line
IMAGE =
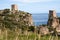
[(32, 6)]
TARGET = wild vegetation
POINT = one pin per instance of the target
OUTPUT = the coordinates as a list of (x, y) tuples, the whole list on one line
[(16, 34)]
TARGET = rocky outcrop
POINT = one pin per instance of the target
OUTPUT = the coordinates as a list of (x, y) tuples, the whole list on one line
[(43, 30), (58, 28)]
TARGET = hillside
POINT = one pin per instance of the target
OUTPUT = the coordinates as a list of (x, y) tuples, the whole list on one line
[(11, 20)]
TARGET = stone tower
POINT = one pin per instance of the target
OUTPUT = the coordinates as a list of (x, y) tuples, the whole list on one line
[(14, 8), (52, 13), (53, 21)]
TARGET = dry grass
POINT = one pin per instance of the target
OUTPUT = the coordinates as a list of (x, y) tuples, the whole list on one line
[(16, 35)]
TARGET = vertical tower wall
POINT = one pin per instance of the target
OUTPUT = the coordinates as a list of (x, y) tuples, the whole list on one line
[(14, 7), (52, 13)]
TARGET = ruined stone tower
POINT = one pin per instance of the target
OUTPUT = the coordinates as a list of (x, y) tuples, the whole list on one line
[(53, 21), (14, 8), (52, 13)]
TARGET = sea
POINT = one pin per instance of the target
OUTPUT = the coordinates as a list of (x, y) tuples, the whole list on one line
[(41, 18)]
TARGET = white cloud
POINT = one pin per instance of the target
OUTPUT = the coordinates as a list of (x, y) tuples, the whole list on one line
[(31, 1)]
